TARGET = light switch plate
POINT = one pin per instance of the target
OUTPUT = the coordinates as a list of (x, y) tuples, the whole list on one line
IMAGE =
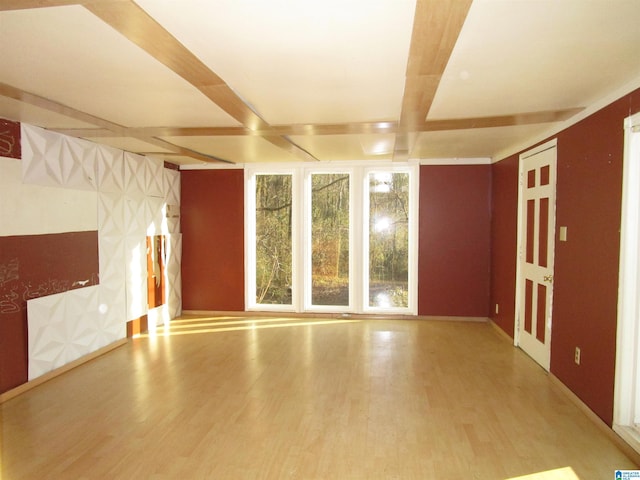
[(563, 234)]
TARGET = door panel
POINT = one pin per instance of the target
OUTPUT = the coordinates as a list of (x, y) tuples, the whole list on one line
[(537, 207)]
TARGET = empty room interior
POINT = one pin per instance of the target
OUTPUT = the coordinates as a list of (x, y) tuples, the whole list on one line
[(299, 239)]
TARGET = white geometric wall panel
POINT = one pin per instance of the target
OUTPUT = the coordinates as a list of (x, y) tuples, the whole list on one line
[(136, 278), (155, 178), (28, 209), (56, 160), (156, 220), (136, 218), (172, 199), (135, 174), (173, 272), (113, 274), (172, 186), (111, 218), (110, 169), (62, 328), (130, 203), (158, 316)]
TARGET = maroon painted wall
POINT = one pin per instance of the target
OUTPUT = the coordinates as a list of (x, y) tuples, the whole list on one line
[(590, 159), (588, 203), (454, 240), (10, 139), (33, 266), (212, 225), (504, 229)]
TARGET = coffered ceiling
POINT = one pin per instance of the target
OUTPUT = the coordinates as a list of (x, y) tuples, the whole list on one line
[(244, 81)]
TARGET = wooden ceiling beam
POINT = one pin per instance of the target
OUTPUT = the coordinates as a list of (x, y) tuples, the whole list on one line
[(329, 129), (139, 27), (29, 4), (114, 130), (436, 27)]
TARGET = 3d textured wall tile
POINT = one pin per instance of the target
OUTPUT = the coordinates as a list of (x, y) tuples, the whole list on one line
[(174, 276), (62, 328), (154, 177), (110, 163), (57, 160), (172, 186)]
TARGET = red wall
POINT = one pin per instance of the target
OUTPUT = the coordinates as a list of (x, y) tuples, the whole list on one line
[(33, 266), (588, 203), (504, 228), (590, 159), (212, 224), (454, 240)]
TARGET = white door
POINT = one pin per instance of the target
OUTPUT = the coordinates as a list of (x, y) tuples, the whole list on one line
[(537, 205)]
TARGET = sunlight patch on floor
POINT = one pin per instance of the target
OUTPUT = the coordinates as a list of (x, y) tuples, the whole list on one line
[(248, 325), (565, 473)]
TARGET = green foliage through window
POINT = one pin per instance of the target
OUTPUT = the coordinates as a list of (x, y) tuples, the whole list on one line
[(273, 239), (388, 239), (330, 239)]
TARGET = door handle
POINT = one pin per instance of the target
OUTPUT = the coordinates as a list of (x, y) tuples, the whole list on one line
[(548, 278)]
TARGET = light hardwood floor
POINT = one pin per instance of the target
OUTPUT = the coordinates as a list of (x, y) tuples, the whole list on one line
[(271, 398)]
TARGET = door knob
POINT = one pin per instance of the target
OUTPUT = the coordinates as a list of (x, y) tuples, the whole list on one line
[(548, 278)]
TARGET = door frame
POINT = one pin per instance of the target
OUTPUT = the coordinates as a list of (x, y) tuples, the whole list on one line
[(627, 390), (520, 284)]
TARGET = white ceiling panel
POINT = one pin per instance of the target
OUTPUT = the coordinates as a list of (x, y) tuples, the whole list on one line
[(23, 112), (236, 149), (204, 68), (538, 55), (479, 142), (300, 61), (128, 144), (68, 55), (347, 147)]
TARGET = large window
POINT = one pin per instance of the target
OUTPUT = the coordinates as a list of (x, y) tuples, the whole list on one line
[(388, 278), (273, 248), (332, 239)]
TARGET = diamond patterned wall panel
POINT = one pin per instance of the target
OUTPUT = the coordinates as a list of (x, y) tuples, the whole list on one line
[(110, 169), (62, 328), (133, 194), (113, 266), (154, 177), (112, 313), (174, 277), (158, 316), (52, 159), (82, 314), (172, 199), (136, 278), (111, 217), (112, 295), (136, 218), (47, 334), (135, 175), (172, 186), (154, 215)]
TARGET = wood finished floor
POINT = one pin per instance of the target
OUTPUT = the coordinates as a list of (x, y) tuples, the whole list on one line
[(269, 398)]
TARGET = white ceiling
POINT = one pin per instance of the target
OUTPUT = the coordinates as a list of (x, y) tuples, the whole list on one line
[(291, 80)]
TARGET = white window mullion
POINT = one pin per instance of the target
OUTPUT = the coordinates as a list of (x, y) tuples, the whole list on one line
[(297, 254), (306, 239), (302, 242), (357, 245)]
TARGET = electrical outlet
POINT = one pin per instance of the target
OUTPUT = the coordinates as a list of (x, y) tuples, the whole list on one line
[(576, 357), (497, 308)]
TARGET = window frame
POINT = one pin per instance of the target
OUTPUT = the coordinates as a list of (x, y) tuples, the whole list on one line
[(301, 240), (627, 375)]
